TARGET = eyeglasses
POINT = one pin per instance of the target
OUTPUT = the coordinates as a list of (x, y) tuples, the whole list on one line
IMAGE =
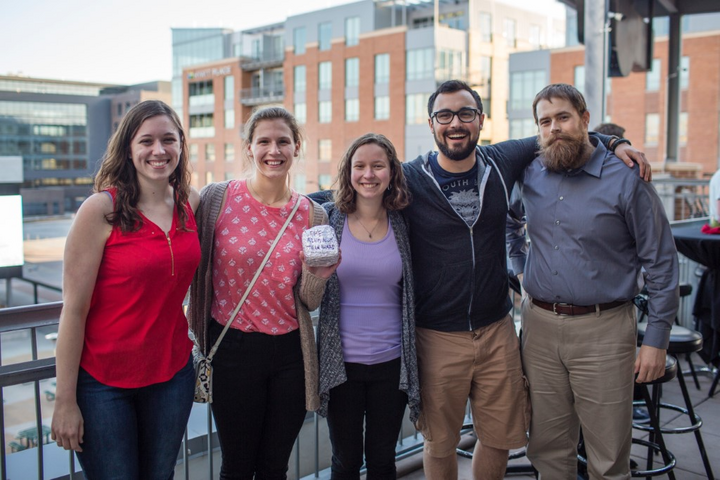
[(465, 114)]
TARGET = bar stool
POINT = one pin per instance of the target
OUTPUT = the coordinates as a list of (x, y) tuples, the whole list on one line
[(682, 340)]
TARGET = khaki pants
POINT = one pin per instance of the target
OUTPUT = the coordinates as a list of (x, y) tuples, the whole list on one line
[(483, 365), (580, 370)]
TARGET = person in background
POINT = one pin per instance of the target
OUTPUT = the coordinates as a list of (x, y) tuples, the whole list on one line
[(265, 370), (610, 129), (366, 333), (593, 224), (714, 204), (124, 370)]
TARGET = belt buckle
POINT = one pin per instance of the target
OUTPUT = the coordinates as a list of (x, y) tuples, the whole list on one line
[(561, 304)]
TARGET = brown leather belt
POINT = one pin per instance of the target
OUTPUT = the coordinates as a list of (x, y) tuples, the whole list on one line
[(568, 309)]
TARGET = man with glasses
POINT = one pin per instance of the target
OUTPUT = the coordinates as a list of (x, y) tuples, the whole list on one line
[(466, 341)]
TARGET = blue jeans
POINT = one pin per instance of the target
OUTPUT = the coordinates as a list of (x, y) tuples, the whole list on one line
[(133, 433)]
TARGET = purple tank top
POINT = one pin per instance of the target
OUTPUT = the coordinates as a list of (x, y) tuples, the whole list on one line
[(370, 277)]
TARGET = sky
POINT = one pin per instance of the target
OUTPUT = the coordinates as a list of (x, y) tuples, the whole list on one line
[(128, 41)]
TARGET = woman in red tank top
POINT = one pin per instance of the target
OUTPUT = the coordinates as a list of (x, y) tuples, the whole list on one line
[(124, 376)]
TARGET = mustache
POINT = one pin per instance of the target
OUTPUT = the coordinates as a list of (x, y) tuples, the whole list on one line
[(558, 136)]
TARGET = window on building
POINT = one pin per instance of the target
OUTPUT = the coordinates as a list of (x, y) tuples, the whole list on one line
[(420, 64), (382, 108), (509, 32), (535, 33), (202, 126), (201, 93), (325, 150), (683, 128), (229, 152), (209, 178), (119, 109), (523, 88), (579, 78), (324, 75), (324, 111), (652, 78), (415, 108), (382, 68), (456, 19), (209, 152), (352, 72), (230, 118), (352, 110), (300, 183), (229, 87), (485, 90), (522, 128), (299, 40), (450, 64), (299, 78), (324, 182), (193, 152), (652, 129), (277, 47), (324, 35), (684, 72), (485, 27), (256, 49), (301, 113), (352, 31)]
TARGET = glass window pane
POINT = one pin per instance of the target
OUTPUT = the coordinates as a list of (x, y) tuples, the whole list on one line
[(324, 35), (299, 78), (299, 39), (652, 78), (352, 31), (352, 72), (325, 76)]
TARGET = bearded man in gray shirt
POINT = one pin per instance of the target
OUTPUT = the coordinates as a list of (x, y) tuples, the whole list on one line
[(593, 224)]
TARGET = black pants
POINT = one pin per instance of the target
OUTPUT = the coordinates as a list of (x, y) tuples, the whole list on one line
[(258, 401), (370, 395)]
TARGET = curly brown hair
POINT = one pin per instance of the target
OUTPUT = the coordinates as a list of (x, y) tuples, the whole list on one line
[(118, 172), (396, 197)]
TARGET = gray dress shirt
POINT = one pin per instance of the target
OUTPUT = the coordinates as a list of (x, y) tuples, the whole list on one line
[(591, 231)]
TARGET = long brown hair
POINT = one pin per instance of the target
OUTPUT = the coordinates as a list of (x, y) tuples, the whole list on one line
[(398, 195), (117, 169)]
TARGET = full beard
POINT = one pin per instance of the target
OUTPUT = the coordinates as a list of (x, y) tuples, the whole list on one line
[(459, 153), (568, 154)]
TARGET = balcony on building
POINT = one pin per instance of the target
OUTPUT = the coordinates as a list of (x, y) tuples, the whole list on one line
[(261, 95)]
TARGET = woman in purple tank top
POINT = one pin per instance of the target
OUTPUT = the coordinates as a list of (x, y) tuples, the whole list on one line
[(366, 333)]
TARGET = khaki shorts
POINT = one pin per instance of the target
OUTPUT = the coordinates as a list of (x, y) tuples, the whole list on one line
[(483, 365)]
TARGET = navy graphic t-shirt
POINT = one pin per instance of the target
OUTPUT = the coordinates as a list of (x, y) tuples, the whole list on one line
[(461, 189)]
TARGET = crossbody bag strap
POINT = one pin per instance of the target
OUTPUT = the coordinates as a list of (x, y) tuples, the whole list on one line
[(252, 282)]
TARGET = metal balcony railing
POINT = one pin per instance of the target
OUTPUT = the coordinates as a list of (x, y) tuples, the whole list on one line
[(263, 61), (262, 95)]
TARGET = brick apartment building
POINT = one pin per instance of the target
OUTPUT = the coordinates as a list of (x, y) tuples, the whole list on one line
[(368, 66)]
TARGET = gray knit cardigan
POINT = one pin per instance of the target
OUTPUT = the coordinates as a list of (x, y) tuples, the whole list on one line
[(332, 364), (308, 290)]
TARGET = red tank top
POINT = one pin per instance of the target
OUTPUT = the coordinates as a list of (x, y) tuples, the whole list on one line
[(136, 333)]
